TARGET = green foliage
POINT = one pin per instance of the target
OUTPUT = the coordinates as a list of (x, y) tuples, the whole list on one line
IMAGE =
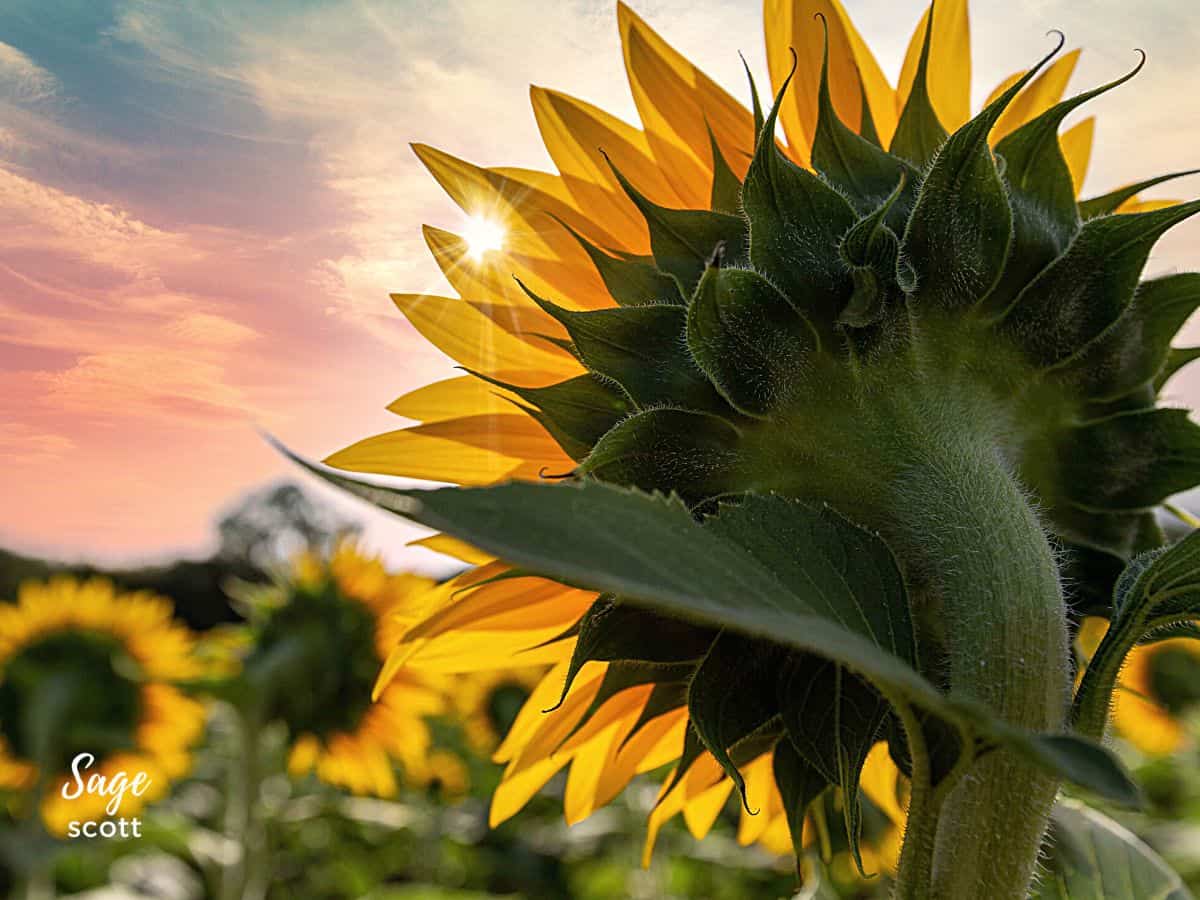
[(1157, 590), (1092, 856), (800, 577)]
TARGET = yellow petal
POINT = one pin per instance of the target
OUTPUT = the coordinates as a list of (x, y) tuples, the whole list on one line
[(516, 788), (656, 743), (454, 397), (949, 72), (516, 436), (879, 779), (700, 812), (587, 787), (1146, 725), (777, 836), (575, 133), (625, 705), (468, 337), (491, 279), (1004, 86), (487, 282), (303, 755), (544, 695), (556, 725), (852, 70), (678, 104), (457, 652), (1037, 96), (1076, 143), (1137, 205), (518, 200), (760, 782), (504, 604), (452, 546), (410, 454), (704, 773)]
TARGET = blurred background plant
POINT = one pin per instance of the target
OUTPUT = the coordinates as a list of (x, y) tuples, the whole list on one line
[(278, 777)]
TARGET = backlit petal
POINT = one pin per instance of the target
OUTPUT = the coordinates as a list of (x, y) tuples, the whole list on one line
[(678, 104), (468, 337), (1038, 96), (852, 70), (462, 396), (949, 63), (1076, 143)]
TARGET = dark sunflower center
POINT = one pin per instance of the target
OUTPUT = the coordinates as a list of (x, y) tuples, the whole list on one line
[(321, 646), (68, 693), (1175, 679), (503, 704)]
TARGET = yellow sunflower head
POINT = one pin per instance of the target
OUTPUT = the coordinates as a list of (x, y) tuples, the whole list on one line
[(1159, 686), (324, 632), (87, 669), (900, 312)]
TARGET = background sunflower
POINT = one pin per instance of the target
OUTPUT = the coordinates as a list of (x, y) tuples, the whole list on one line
[(85, 668)]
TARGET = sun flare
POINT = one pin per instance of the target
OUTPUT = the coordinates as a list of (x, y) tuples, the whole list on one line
[(482, 236)]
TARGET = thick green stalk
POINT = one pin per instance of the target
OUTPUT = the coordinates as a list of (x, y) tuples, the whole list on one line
[(989, 581)]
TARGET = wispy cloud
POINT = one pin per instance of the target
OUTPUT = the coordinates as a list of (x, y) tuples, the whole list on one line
[(23, 80)]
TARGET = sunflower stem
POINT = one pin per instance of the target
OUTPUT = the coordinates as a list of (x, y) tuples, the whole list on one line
[(920, 833), (242, 823), (989, 590)]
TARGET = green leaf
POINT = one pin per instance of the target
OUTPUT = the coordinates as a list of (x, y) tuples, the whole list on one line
[(745, 751), (959, 232), (664, 449), (1138, 348), (683, 240), (1091, 857), (1131, 461), (726, 194), (631, 281), (732, 696), (856, 165), (919, 133), (1177, 358), (769, 567), (799, 785), (749, 340), (1076, 759), (1085, 292), (577, 412), (612, 630), (641, 349), (832, 718), (755, 103), (1108, 203), (1156, 589), (872, 251), (1041, 192), (796, 224)]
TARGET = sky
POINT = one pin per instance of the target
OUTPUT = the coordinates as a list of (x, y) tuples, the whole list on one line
[(204, 206)]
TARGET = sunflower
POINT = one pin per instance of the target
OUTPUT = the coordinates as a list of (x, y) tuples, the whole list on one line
[(87, 669), (1157, 687), (325, 632), (695, 307)]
